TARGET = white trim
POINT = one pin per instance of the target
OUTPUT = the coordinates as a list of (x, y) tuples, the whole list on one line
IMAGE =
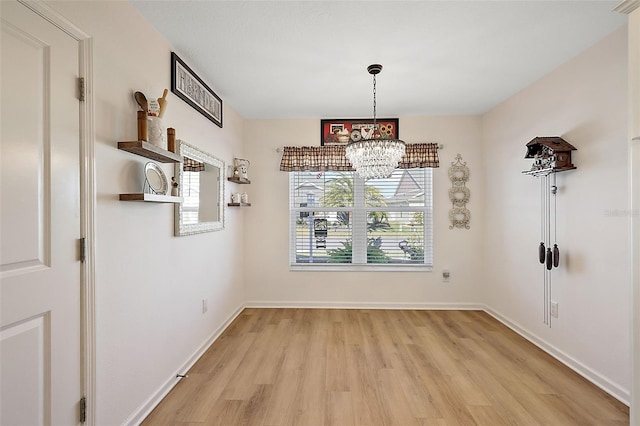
[(359, 232), (53, 16), (365, 305), (621, 394), (147, 407), (87, 198), (627, 6), (352, 267), (88, 228)]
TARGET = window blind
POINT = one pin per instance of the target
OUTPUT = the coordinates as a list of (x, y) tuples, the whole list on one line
[(340, 220)]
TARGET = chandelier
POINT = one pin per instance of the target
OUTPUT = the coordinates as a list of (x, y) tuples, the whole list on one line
[(378, 156)]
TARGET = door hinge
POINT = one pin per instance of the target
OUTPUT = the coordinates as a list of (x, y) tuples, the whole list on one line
[(81, 89), (83, 249), (83, 409)]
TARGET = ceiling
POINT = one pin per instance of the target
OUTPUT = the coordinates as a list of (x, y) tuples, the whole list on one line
[(308, 59)]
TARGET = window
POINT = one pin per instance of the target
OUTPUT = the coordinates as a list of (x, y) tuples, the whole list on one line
[(191, 195), (339, 220)]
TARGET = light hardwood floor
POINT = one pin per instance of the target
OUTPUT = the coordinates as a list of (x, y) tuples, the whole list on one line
[(308, 367)]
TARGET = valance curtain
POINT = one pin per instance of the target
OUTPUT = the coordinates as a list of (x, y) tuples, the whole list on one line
[(332, 157), (191, 165)]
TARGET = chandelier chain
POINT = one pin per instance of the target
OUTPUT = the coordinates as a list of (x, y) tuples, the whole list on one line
[(374, 100), (377, 155)]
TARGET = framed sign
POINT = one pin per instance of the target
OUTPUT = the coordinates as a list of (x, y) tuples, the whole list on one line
[(187, 85), (341, 131)]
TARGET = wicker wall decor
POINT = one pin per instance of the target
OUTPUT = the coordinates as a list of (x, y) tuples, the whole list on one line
[(459, 194)]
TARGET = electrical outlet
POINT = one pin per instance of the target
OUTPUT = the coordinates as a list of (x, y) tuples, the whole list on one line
[(205, 307), (554, 309), (446, 275)]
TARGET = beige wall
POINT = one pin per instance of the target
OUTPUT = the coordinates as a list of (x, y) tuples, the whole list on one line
[(268, 279), (634, 133), (495, 263), (584, 101), (149, 284)]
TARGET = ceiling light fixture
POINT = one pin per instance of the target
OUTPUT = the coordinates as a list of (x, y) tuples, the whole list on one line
[(378, 156)]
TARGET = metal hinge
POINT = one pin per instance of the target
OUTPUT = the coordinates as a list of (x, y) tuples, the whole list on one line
[(81, 89), (83, 409), (83, 249)]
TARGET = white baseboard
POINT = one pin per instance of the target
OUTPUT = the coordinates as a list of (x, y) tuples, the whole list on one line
[(365, 305), (147, 407), (613, 389)]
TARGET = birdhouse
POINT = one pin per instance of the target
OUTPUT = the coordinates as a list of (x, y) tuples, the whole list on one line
[(550, 154)]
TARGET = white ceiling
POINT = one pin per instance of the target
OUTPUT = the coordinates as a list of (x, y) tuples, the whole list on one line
[(308, 59)]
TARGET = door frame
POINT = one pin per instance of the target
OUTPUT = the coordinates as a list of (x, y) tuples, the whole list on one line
[(629, 7), (87, 202)]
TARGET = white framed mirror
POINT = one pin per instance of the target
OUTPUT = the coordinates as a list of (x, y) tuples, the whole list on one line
[(200, 180)]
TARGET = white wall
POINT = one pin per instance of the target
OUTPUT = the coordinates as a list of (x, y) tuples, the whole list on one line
[(495, 263), (585, 102), (634, 133), (149, 284), (267, 276)]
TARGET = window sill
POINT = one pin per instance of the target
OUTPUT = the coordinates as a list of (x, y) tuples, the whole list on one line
[(360, 268)]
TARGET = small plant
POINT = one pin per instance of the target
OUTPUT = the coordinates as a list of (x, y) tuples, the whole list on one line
[(344, 255), (416, 254)]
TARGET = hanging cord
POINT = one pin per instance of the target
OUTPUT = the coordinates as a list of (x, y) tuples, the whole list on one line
[(374, 101), (543, 228), (541, 249), (549, 259), (549, 256), (542, 209), (554, 191), (548, 212), (556, 250), (543, 217)]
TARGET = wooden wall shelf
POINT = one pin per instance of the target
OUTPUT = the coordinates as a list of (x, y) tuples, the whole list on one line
[(239, 204), (150, 151), (239, 180), (151, 198)]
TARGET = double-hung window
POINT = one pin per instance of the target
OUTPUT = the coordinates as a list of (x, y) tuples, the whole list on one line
[(341, 221)]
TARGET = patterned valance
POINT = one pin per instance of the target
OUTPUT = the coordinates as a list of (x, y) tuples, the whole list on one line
[(191, 165), (332, 157), (420, 155), (314, 158)]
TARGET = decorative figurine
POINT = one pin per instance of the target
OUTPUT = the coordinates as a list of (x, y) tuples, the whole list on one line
[(242, 166), (174, 187)]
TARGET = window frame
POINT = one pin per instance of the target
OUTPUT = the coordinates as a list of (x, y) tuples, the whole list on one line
[(359, 212)]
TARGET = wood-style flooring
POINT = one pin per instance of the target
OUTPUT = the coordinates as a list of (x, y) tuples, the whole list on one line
[(308, 367)]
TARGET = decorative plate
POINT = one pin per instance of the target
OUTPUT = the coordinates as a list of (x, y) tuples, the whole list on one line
[(459, 217), (156, 178)]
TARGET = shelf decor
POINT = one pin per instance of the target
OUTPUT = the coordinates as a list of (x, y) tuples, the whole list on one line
[(155, 181), (190, 88), (241, 169), (343, 131), (147, 150)]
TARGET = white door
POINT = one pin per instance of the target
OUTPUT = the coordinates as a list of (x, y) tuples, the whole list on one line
[(40, 221)]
